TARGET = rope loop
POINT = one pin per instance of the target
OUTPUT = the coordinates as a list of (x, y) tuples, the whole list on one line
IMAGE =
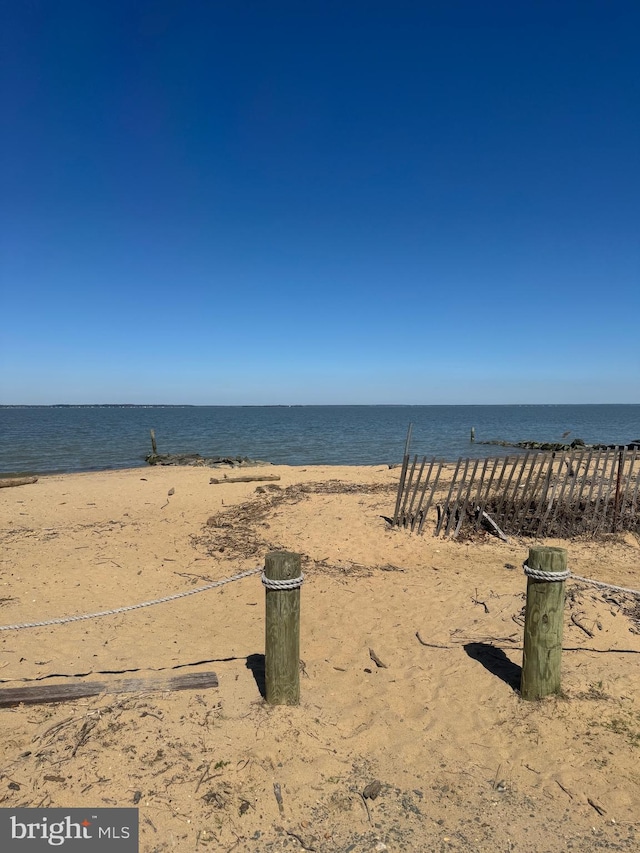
[(540, 575), (292, 583)]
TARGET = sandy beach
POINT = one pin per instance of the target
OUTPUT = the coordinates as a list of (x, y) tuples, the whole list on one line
[(464, 764)]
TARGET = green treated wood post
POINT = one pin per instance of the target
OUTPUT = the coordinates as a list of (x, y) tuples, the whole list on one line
[(282, 635), (543, 625)]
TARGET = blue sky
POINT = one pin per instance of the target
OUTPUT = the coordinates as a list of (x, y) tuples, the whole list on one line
[(320, 202)]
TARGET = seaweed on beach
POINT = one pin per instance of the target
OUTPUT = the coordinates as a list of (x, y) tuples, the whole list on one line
[(242, 529)]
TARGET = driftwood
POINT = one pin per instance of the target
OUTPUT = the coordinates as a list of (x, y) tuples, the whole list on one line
[(248, 479), (81, 689), (6, 482)]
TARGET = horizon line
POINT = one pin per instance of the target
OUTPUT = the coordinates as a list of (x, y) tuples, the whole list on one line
[(276, 405)]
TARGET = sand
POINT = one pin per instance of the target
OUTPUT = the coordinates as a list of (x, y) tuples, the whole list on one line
[(464, 764)]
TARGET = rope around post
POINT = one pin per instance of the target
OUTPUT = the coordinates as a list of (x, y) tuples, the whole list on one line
[(292, 583), (65, 619), (537, 574)]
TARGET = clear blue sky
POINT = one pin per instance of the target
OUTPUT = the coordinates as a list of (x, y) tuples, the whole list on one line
[(320, 202)]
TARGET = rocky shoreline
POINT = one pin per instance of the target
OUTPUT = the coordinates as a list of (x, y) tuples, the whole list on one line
[(576, 444), (195, 460)]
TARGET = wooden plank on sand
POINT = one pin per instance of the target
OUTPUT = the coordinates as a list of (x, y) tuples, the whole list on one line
[(42, 693)]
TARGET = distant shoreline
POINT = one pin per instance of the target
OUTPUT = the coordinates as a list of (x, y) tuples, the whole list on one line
[(291, 405)]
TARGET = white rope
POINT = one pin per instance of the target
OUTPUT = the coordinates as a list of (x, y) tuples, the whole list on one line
[(601, 585), (291, 583), (540, 575), (65, 619)]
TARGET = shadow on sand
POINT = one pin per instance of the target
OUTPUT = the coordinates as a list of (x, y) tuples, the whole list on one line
[(495, 660), (255, 663)]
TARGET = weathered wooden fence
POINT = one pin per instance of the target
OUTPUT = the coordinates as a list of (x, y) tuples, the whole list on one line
[(564, 493)]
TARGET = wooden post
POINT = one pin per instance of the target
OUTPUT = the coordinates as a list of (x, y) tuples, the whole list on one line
[(282, 635), (543, 625), (473, 434), (154, 449)]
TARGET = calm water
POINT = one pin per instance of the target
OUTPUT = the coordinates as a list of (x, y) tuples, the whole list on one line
[(43, 439)]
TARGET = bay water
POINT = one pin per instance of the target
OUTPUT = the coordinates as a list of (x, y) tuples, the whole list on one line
[(47, 439)]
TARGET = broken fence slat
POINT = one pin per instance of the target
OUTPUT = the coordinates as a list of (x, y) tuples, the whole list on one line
[(627, 486), (451, 487), (503, 505), (514, 498), (576, 475), (565, 480), (635, 495), (403, 474), (416, 515), (521, 503), (594, 480), (481, 481), (463, 509), (595, 522), (410, 513), (546, 504), (616, 504), (402, 519), (430, 500), (453, 510), (540, 490), (575, 514), (483, 503), (497, 492), (42, 693), (491, 523), (610, 488)]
